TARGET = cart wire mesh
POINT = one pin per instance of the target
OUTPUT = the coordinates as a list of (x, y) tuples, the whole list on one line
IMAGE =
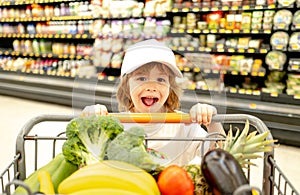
[(273, 179)]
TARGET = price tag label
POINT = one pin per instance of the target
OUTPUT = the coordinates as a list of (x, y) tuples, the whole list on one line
[(242, 91), (186, 69), (244, 73), (231, 50), (181, 30), (295, 47), (196, 9), (274, 94), (213, 31), (196, 69), (234, 72), (181, 48), (280, 47), (253, 106), (216, 71), (235, 7), (233, 90), (246, 7), (208, 49), (185, 9), (249, 91), (254, 74), (256, 92), (297, 96), (236, 31), (225, 8), (174, 30), (191, 49), (175, 10), (214, 8), (267, 31), (241, 50), (222, 30), (206, 70), (272, 6), (295, 67), (263, 50), (251, 50), (261, 74)]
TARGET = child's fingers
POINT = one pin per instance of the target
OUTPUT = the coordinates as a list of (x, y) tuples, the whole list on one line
[(94, 110), (202, 113)]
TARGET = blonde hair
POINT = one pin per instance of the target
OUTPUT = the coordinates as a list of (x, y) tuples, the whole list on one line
[(125, 101)]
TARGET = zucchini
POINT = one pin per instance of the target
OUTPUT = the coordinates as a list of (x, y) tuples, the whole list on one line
[(222, 172), (58, 168), (32, 180)]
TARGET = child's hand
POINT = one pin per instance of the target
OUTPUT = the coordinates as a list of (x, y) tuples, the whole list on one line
[(202, 113), (97, 109)]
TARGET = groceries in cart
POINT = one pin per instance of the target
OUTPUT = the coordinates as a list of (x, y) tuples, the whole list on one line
[(100, 157)]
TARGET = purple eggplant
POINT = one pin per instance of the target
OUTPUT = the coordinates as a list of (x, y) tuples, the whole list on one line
[(223, 173)]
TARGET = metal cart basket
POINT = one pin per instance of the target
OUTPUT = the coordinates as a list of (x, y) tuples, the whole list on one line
[(35, 147)]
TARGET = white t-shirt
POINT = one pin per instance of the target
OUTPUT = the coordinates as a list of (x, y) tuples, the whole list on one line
[(177, 152)]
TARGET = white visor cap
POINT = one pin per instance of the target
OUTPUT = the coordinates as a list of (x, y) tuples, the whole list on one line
[(147, 51)]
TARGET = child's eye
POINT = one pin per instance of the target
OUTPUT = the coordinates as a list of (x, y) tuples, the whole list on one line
[(141, 78), (161, 80)]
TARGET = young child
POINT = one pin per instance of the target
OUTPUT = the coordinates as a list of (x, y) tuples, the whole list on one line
[(148, 85)]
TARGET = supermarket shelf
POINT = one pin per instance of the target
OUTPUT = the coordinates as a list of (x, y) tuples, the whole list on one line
[(282, 119)]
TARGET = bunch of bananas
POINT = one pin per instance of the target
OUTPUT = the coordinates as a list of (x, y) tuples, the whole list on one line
[(109, 177)]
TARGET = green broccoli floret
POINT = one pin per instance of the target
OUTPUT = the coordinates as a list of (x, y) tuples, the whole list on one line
[(88, 138), (75, 152), (129, 146)]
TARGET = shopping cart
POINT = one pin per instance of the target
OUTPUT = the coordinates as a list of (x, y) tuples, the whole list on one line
[(33, 148)]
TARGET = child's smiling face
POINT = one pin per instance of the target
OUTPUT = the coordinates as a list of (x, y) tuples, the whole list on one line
[(149, 90)]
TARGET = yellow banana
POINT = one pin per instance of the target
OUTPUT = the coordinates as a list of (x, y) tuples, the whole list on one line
[(104, 191), (119, 168), (46, 185), (110, 174)]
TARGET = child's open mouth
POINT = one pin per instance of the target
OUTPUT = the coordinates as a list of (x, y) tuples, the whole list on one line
[(149, 101)]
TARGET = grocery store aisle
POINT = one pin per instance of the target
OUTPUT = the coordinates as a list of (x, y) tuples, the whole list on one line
[(15, 112)]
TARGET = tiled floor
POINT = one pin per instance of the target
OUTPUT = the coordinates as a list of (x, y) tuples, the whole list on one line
[(15, 112)]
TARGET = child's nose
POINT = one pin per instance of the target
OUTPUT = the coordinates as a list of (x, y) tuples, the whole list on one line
[(150, 89)]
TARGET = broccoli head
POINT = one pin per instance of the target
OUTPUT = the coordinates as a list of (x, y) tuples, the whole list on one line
[(88, 138), (129, 146), (75, 152)]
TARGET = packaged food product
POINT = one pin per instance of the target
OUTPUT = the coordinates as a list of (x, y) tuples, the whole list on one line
[(276, 60), (294, 43), (282, 19), (286, 3), (279, 40), (296, 20)]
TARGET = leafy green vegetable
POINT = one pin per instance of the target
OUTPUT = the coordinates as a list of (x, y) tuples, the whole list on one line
[(129, 146), (88, 138)]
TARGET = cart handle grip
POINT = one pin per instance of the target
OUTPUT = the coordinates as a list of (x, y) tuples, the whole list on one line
[(153, 117)]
